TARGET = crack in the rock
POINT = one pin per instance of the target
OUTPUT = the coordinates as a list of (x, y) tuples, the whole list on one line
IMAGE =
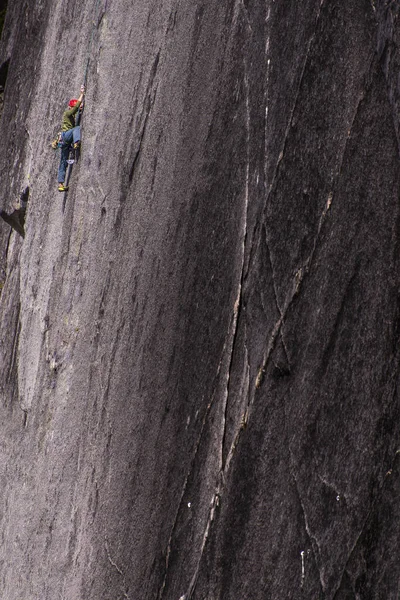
[(171, 21), (241, 428), (291, 467), (266, 96), (229, 347), (238, 303), (313, 541), (298, 280), (185, 483), (305, 268), (15, 342), (241, 5), (150, 98), (231, 351), (295, 102), (329, 485), (292, 294), (272, 340), (356, 111), (214, 504), (299, 276), (116, 567), (308, 263), (15, 345), (7, 248)]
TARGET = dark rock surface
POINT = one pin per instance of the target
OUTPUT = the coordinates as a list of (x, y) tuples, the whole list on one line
[(200, 342)]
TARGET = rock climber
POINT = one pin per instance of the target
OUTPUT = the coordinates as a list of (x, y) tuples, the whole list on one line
[(70, 134)]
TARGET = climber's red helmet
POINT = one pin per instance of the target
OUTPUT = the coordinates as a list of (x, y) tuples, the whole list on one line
[(72, 102)]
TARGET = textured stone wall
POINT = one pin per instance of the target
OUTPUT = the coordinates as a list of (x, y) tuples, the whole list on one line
[(199, 341)]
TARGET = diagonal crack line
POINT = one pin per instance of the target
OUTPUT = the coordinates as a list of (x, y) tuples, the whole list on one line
[(185, 483), (116, 567), (254, 244), (238, 303), (313, 541), (281, 312), (285, 349), (137, 153), (305, 268), (272, 269), (291, 466), (112, 563), (355, 115), (236, 315), (8, 247), (150, 98), (241, 8), (223, 467), (308, 263), (259, 379), (243, 425), (299, 277), (192, 463), (295, 102), (229, 347), (15, 345), (270, 346), (211, 514), (245, 11), (297, 284)]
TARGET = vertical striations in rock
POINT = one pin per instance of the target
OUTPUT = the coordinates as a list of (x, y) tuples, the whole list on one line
[(199, 340)]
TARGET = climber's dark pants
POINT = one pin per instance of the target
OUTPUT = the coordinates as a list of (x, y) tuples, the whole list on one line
[(68, 137)]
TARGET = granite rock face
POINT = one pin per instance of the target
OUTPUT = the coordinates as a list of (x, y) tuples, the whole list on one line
[(199, 342)]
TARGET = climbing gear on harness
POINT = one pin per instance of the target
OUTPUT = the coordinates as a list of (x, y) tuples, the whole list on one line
[(77, 145), (57, 142)]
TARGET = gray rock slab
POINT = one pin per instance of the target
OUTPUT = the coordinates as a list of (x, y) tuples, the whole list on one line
[(199, 340)]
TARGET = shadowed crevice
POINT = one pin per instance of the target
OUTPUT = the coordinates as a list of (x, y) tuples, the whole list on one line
[(16, 219)]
